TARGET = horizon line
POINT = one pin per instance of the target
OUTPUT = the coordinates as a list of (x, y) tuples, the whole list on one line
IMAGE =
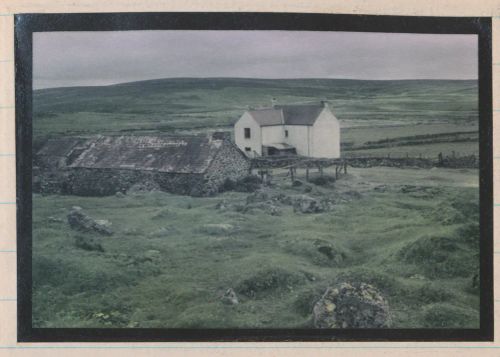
[(260, 78)]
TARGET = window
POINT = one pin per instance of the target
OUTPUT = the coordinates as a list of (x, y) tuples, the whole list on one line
[(286, 133), (247, 133), (248, 149)]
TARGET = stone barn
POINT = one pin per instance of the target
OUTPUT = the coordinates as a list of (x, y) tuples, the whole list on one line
[(105, 165)]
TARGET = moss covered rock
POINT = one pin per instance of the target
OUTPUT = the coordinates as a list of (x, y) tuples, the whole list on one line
[(351, 306)]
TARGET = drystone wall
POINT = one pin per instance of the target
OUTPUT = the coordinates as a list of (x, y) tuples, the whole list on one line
[(105, 182), (229, 164)]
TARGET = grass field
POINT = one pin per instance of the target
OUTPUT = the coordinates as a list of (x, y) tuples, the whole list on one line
[(412, 233), (198, 105), (160, 269)]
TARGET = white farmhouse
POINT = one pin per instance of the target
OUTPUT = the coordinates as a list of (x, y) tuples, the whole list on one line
[(308, 130)]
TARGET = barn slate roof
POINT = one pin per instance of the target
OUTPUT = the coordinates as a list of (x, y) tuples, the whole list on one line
[(159, 153), (60, 147), (267, 117), (297, 114)]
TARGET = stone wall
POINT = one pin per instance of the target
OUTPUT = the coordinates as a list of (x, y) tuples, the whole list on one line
[(102, 182), (182, 184), (448, 162), (105, 182), (391, 162), (230, 163)]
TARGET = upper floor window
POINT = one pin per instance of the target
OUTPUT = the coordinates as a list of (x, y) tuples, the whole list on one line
[(247, 133), (286, 133)]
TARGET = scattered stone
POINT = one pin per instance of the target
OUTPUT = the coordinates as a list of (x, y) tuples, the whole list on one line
[(380, 188), (307, 204), (222, 205), (327, 204), (79, 221), (161, 232), (151, 255), (309, 276), (284, 199), (257, 196), (351, 306), (308, 189), (273, 210), (132, 232), (103, 222), (297, 183), (218, 228), (88, 243), (120, 194), (52, 219), (417, 277), (229, 297), (268, 207)]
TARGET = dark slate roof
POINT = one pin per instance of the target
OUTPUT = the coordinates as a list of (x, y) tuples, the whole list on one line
[(60, 147), (301, 114), (287, 114), (267, 117), (151, 153)]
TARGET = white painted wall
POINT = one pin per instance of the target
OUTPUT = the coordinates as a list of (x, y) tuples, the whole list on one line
[(272, 134), (299, 137), (255, 141), (325, 138)]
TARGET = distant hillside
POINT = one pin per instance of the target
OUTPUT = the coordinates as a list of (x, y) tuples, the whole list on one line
[(201, 103)]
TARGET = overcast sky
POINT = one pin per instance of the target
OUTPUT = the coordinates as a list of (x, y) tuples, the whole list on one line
[(102, 58)]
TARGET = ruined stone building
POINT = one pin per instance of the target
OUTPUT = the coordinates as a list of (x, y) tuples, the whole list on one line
[(104, 165), (310, 130)]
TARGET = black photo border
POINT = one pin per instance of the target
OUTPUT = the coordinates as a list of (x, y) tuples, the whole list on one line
[(26, 24)]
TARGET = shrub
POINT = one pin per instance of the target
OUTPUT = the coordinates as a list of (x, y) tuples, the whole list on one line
[(228, 185), (469, 234), (88, 243), (431, 293), (439, 256), (269, 280), (318, 252), (306, 300), (448, 316), (249, 183), (322, 180)]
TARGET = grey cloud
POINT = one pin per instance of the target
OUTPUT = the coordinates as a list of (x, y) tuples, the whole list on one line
[(101, 58)]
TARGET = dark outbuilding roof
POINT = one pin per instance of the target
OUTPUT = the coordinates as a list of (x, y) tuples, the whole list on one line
[(287, 114), (160, 153), (60, 147)]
